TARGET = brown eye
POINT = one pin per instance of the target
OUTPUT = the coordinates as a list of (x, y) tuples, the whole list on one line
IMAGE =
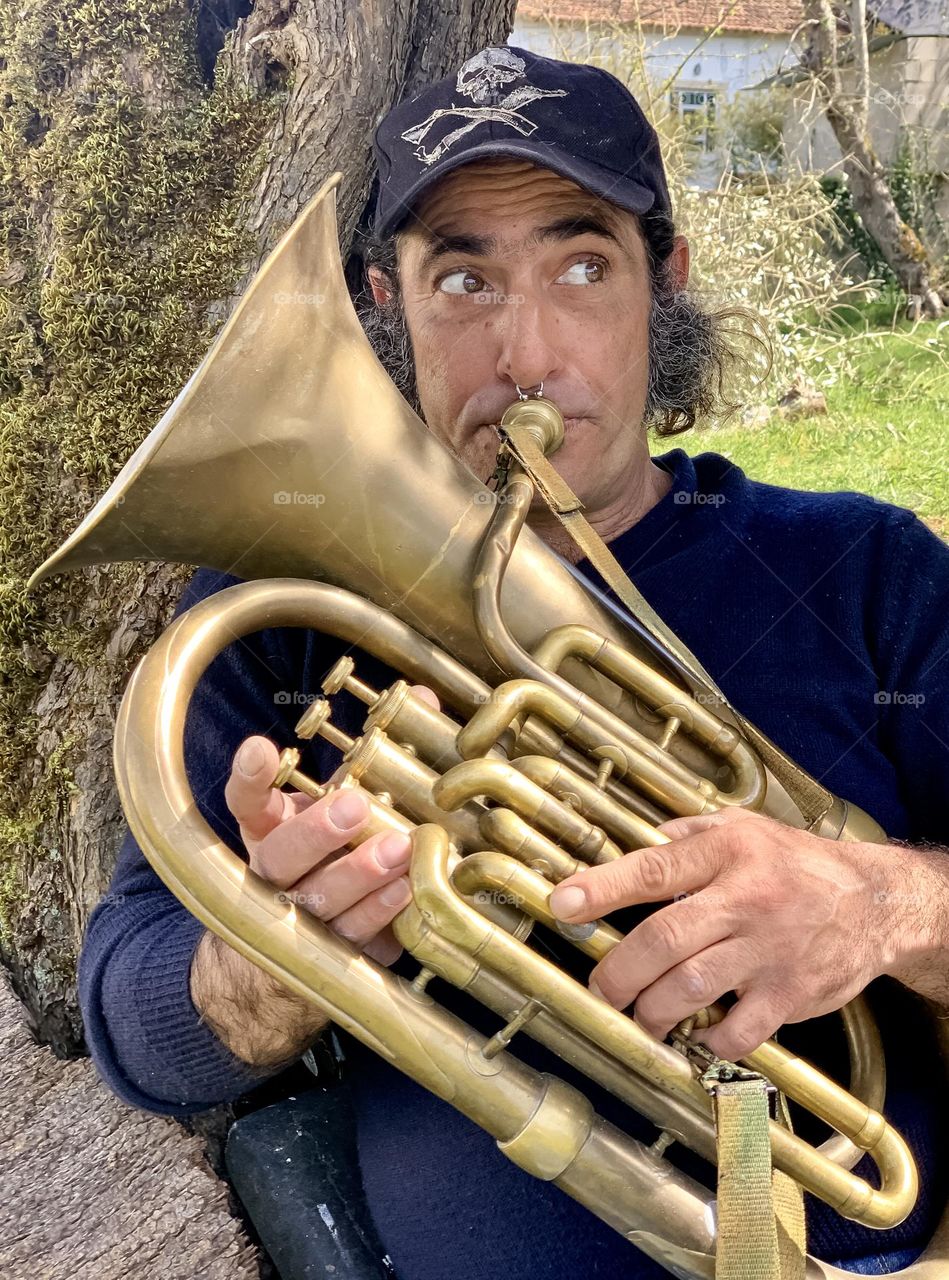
[(586, 271), (460, 281)]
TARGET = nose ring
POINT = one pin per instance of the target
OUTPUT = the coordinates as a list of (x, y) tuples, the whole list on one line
[(530, 392)]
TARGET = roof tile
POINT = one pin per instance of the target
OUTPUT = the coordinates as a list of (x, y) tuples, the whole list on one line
[(770, 17)]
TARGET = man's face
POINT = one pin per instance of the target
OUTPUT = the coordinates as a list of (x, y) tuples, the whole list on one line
[(510, 275)]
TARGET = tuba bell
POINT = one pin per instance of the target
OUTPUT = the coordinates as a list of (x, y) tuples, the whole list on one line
[(567, 735)]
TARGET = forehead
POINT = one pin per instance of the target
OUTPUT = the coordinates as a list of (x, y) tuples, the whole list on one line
[(505, 195)]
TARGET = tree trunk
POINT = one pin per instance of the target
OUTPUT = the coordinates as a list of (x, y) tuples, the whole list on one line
[(138, 197), (848, 116), (92, 1188)]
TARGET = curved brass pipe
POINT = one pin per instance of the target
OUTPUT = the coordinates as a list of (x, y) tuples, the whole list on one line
[(660, 694), (501, 782), (617, 1034), (653, 775), (628, 829)]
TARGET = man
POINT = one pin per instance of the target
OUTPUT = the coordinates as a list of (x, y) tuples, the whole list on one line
[(522, 239)]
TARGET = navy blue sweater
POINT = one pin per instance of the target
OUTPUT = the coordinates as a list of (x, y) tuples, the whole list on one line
[(825, 618)]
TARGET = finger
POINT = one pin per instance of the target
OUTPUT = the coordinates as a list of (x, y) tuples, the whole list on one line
[(679, 828), (304, 841), (746, 1026), (336, 886), (645, 875), (249, 792), (362, 922), (667, 938), (691, 986), (425, 694), (385, 947)]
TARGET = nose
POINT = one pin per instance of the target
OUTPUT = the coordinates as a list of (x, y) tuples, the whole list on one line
[(527, 353)]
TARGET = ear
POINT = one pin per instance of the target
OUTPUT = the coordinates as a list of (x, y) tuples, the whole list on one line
[(380, 285), (679, 263)]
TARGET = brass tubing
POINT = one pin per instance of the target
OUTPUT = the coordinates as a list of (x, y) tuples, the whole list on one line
[(525, 697), (469, 973), (494, 556), (407, 719), (536, 738), (501, 782), (516, 885), (383, 766), (510, 882), (524, 1111), (664, 1110), (662, 695), (626, 1041), (630, 831), (506, 830)]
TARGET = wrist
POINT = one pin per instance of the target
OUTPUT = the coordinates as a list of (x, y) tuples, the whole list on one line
[(916, 919), (260, 1021)]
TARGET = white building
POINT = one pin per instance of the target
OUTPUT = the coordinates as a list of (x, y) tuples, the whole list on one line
[(700, 52)]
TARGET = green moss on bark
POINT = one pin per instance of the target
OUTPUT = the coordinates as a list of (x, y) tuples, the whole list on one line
[(121, 180)]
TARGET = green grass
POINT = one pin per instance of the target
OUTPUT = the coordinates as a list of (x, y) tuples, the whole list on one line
[(885, 432)]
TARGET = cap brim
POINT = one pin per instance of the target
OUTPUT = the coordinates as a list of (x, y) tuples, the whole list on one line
[(615, 187)]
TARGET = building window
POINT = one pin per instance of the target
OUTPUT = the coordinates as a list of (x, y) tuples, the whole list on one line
[(696, 109)]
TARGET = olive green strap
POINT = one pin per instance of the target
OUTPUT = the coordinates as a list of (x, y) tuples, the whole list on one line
[(761, 1232)]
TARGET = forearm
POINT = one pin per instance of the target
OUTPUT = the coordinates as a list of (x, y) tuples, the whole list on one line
[(258, 1019), (920, 899)]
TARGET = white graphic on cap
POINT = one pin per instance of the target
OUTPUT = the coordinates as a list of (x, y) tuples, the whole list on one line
[(480, 79)]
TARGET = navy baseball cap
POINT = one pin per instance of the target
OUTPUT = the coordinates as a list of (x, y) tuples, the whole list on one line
[(572, 118)]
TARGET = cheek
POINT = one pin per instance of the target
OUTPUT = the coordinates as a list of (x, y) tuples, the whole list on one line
[(621, 355), (449, 359)]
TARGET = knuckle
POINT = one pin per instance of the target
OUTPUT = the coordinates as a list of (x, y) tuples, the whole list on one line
[(695, 981), (652, 870), (664, 931), (265, 863)]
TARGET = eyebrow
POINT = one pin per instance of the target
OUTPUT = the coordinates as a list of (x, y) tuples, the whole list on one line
[(442, 246)]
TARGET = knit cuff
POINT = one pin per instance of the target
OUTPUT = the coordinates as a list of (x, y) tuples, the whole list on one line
[(145, 1035)]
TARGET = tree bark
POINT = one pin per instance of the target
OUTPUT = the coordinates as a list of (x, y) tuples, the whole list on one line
[(93, 1190), (138, 198), (848, 116)]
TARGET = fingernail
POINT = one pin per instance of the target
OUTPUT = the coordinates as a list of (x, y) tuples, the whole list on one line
[(393, 850), (567, 902), (595, 990), (396, 894), (347, 810), (250, 758)]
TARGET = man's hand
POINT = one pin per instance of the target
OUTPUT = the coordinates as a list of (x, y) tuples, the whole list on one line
[(294, 842), (795, 924), (298, 845)]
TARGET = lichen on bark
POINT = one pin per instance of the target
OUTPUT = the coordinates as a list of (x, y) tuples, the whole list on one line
[(122, 175)]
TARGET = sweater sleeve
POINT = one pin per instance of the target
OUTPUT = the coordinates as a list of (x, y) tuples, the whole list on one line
[(144, 1033)]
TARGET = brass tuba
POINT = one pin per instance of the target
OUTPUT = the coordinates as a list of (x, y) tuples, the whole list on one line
[(573, 740)]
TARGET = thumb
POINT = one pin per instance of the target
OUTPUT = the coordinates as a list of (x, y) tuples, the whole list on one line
[(250, 794)]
